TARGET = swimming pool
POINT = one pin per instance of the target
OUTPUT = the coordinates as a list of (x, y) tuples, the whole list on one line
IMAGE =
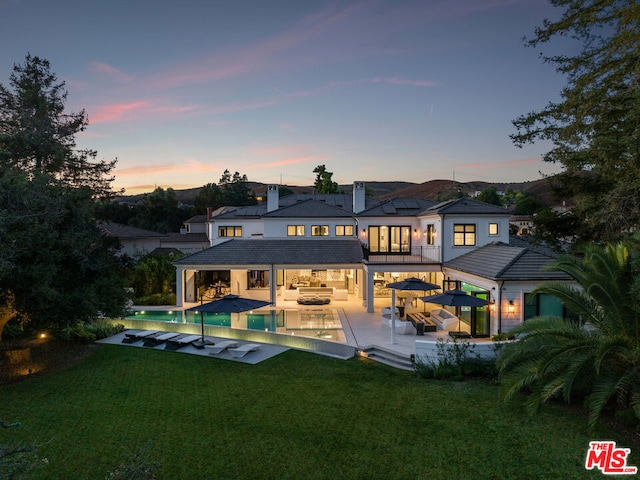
[(317, 323)]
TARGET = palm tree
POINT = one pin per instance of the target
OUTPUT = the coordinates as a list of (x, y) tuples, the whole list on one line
[(596, 358)]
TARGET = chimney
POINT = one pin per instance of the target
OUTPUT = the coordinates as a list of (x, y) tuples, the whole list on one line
[(209, 213), (273, 198), (358, 197)]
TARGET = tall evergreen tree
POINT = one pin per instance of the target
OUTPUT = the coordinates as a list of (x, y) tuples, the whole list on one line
[(56, 267), (37, 135), (595, 127)]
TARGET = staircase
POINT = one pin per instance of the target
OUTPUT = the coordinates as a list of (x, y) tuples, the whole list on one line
[(379, 354)]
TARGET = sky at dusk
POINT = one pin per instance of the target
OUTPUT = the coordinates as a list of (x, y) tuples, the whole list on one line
[(376, 90)]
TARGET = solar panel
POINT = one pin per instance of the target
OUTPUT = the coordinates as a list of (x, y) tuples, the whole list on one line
[(388, 209)]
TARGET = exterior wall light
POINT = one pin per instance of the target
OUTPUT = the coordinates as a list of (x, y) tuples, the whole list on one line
[(511, 308)]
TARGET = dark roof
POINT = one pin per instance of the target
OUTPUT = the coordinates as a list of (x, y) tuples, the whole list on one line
[(278, 251), (340, 200), (501, 261), (398, 206), (197, 219), (309, 209), (343, 202), (186, 237), (466, 206), (125, 231)]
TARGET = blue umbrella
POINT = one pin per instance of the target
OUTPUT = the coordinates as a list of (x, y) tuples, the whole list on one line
[(226, 304)]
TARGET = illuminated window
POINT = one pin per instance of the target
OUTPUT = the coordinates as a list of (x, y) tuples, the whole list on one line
[(464, 234), (493, 229), (384, 239), (295, 230), (430, 233), (344, 230), (319, 230), (229, 231)]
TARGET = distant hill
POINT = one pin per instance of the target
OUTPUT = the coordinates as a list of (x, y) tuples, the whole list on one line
[(432, 190)]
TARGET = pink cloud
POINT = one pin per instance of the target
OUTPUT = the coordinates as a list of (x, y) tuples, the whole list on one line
[(109, 113), (190, 165), (110, 71)]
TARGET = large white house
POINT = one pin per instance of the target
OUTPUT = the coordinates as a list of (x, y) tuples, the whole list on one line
[(351, 246)]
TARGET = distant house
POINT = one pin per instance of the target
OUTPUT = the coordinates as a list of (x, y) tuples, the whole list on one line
[(352, 246), (522, 224), (137, 241)]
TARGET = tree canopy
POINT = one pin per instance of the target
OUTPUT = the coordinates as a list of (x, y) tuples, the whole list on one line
[(323, 182), (37, 135), (235, 190), (595, 127), (55, 265)]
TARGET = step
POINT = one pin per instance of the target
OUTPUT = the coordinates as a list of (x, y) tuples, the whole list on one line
[(387, 357)]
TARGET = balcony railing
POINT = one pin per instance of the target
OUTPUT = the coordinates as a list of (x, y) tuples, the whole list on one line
[(418, 254)]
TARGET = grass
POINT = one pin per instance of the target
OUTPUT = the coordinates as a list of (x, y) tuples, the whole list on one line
[(297, 415)]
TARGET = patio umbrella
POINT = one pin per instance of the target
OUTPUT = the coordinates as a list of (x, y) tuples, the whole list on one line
[(455, 298), (411, 283), (226, 304)]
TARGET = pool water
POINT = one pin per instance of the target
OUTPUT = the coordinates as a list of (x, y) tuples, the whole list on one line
[(318, 323)]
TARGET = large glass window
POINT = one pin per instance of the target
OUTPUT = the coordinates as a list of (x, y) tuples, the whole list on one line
[(229, 231), (344, 230), (384, 239), (319, 230), (295, 230), (464, 234)]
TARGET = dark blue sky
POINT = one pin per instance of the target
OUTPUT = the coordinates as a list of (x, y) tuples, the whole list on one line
[(375, 90)]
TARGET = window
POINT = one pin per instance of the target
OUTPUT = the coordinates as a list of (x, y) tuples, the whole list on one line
[(258, 279), (493, 229), (430, 233), (319, 230), (544, 304), (229, 231), (464, 234), (385, 239), (295, 230), (344, 230)]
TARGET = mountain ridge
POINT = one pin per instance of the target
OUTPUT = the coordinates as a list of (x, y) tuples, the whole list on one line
[(430, 190)]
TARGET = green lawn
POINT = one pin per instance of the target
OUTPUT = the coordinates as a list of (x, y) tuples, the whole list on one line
[(297, 415)]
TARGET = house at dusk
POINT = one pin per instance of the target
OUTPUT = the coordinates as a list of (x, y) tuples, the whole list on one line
[(349, 247)]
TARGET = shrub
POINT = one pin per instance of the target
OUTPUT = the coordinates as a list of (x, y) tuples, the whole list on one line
[(103, 329), (157, 299), (456, 359)]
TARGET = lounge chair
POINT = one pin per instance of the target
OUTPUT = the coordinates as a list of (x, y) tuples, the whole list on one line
[(180, 341), (221, 347), (132, 336), (154, 340), (242, 350)]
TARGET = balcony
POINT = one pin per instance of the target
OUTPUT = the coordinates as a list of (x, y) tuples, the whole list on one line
[(417, 255)]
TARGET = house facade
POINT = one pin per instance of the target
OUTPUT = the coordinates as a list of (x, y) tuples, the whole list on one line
[(352, 246)]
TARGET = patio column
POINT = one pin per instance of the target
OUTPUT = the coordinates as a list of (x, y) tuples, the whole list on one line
[(179, 286), (273, 287), (369, 289)]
